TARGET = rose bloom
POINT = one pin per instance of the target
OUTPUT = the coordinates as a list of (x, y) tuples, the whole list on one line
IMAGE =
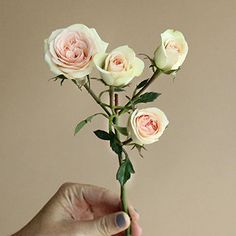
[(172, 52), (147, 125), (70, 51), (118, 67)]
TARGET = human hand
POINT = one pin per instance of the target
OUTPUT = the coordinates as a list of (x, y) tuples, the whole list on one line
[(82, 210)]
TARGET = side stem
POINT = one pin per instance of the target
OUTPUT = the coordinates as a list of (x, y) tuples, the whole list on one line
[(155, 74), (96, 98)]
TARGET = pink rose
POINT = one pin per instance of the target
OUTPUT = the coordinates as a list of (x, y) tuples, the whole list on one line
[(147, 125), (70, 51), (118, 67)]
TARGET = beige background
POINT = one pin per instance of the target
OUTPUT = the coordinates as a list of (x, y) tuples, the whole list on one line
[(186, 184)]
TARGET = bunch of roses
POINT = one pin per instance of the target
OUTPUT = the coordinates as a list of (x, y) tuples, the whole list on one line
[(73, 52)]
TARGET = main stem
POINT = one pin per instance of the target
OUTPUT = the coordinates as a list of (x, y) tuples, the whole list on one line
[(122, 186), (113, 112)]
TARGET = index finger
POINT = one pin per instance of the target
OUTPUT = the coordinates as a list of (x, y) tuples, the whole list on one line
[(98, 196)]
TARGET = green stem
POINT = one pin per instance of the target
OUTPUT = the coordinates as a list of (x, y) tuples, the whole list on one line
[(111, 95), (124, 205), (123, 198), (90, 91), (154, 76)]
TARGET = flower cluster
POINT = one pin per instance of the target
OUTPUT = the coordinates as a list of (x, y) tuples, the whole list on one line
[(72, 53)]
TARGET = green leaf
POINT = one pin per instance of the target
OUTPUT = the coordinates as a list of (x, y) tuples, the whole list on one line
[(58, 77), (62, 81), (80, 126), (102, 134), (61, 77), (122, 130), (139, 148), (115, 144), (146, 97), (142, 84), (171, 71), (124, 172), (84, 122)]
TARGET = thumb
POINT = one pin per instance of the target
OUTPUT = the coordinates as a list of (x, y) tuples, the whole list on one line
[(112, 224), (108, 225)]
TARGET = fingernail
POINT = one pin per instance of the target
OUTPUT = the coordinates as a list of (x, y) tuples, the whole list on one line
[(120, 220)]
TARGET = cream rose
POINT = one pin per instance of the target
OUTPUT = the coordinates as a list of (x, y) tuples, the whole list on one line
[(119, 67), (70, 51), (172, 52), (147, 125)]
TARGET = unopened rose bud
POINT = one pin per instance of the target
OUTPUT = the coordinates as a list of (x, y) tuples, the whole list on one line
[(170, 55)]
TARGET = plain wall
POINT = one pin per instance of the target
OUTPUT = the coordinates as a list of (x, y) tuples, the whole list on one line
[(186, 184)]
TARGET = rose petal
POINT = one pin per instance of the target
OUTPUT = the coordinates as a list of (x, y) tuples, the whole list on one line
[(70, 51), (147, 135), (112, 73)]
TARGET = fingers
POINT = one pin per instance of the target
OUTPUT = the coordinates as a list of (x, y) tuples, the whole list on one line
[(93, 195), (100, 196), (133, 214), (135, 227), (103, 203), (105, 226)]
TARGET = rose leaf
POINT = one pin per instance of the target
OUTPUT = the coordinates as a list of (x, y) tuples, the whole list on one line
[(102, 134), (115, 144), (142, 84), (84, 122), (146, 97), (124, 172)]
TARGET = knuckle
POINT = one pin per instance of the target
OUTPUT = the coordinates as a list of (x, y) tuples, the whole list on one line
[(103, 227), (65, 186)]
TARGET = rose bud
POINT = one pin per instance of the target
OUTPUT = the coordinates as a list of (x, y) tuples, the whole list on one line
[(170, 55), (119, 67), (147, 125), (70, 51)]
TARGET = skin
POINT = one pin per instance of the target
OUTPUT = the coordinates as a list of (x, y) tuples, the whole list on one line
[(82, 210)]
